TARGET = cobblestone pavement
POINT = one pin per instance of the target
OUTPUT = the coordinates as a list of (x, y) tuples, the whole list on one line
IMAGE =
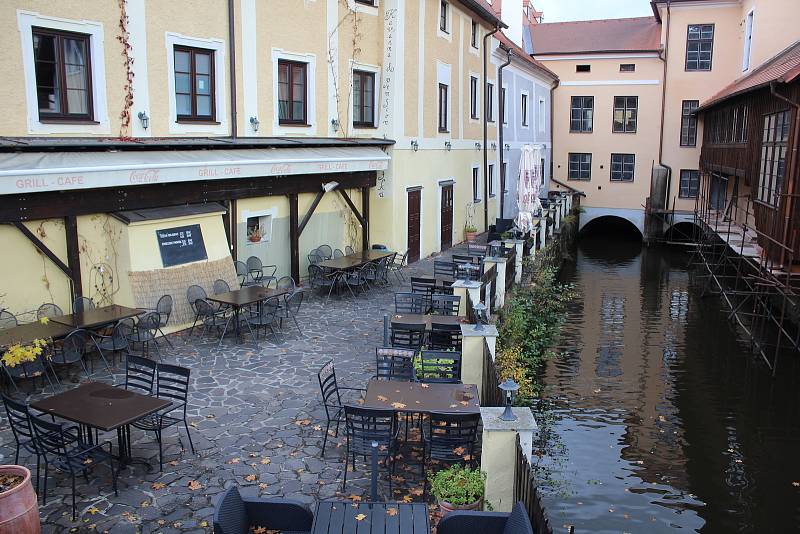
[(256, 421)]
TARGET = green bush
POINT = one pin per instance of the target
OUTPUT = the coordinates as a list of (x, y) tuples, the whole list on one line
[(458, 485)]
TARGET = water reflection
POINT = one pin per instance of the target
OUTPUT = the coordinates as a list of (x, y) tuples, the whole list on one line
[(656, 417)]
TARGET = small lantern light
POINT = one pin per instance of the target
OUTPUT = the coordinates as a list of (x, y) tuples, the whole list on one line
[(414, 145), (448, 145), (477, 146), (479, 309), (494, 146), (254, 122), (509, 387), (335, 124), (507, 146), (145, 119)]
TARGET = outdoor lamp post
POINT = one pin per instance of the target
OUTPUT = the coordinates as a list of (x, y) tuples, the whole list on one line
[(479, 309), (508, 387), (494, 250)]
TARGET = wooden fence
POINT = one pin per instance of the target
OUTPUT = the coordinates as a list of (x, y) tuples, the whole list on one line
[(490, 392), (511, 259), (488, 281), (526, 491)]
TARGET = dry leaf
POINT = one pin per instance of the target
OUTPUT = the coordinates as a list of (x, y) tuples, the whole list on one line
[(250, 478), (417, 491), (382, 398), (93, 510), (360, 517), (317, 428), (459, 451), (263, 486), (158, 485), (355, 498), (303, 422), (173, 463), (360, 401), (454, 405), (234, 461), (145, 504), (88, 461), (259, 530), (464, 403), (796, 484), (194, 485), (398, 405), (265, 461), (407, 498), (425, 386), (391, 512)]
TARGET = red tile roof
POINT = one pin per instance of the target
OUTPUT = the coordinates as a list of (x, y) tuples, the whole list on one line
[(783, 68), (508, 44), (640, 34)]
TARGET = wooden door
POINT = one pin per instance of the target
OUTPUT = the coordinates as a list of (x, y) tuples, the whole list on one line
[(447, 217), (414, 209)]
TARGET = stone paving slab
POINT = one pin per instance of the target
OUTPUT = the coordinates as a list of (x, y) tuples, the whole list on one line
[(256, 420)]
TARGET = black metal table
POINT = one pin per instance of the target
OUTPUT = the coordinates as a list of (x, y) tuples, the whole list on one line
[(345, 517)]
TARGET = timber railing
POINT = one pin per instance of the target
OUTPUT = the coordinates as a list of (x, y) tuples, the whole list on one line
[(491, 395), (488, 281), (511, 258), (526, 491)]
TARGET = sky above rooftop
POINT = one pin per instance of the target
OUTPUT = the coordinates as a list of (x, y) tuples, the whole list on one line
[(566, 10)]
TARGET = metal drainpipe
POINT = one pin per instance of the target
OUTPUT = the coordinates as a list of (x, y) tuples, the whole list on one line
[(502, 156), (486, 105), (232, 68), (792, 168), (552, 132)]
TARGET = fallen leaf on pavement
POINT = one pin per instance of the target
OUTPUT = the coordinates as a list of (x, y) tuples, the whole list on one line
[(158, 485), (398, 405), (265, 461), (194, 485), (250, 478), (234, 461), (360, 517)]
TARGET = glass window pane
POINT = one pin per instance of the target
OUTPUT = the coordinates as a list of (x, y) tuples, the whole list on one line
[(297, 111), (182, 61), (632, 102), (204, 105), (182, 84), (183, 104), (44, 48), (75, 77), (202, 63), (203, 84), (49, 100), (74, 51), (77, 101)]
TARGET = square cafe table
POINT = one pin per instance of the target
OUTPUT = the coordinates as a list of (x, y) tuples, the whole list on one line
[(352, 261), (246, 296), (26, 333), (103, 407), (340, 517), (98, 317), (416, 397)]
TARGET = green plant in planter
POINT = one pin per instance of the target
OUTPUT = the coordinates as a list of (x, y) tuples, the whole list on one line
[(470, 229), (458, 485)]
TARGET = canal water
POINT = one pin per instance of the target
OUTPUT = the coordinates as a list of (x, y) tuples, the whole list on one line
[(655, 417)]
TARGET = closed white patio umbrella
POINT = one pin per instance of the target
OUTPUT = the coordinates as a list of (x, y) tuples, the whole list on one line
[(530, 181)]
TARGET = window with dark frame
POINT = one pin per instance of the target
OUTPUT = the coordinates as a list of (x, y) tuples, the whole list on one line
[(627, 67), (366, 2), (773, 157), (444, 6), (491, 180), (625, 112), (504, 176), (583, 68), (194, 84), (503, 105), (542, 171), (699, 46), (489, 102), (292, 92), (474, 34), (581, 114), (473, 97), (63, 75), (580, 166), (689, 123), (443, 107), (524, 109), (363, 99), (476, 185), (622, 167), (689, 184)]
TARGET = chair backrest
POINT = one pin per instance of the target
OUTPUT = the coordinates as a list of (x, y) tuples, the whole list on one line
[(140, 373), (172, 382), (476, 250), (193, 293), (449, 431), (164, 308), (365, 425), (440, 366), (325, 251), (394, 364), (221, 286), (338, 253), (204, 308), (82, 304), (407, 336), (268, 311), (445, 269), (410, 303), (122, 332), (349, 250), (294, 301), (254, 263), (314, 258), (286, 282), (230, 515), (465, 258), (445, 304), (19, 420), (329, 388), (73, 347), (7, 320), (276, 515), (50, 437), (422, 285), (150, 322), (49, 310), (445, 337)]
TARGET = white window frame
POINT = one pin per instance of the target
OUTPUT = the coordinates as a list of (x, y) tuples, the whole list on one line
[(363, 8), (26, 20), (524, 114), (504, 99), (376, 71), (542, 112), (749, 21), (490, 181), (443, 76), (220, 127), (266, 237), (477, 196), (478, 97), (449, 33), (310, 128)]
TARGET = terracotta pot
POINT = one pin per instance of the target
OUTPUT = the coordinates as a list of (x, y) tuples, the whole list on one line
[(254, 238), (470, 236), (446, 507), (19, 510)]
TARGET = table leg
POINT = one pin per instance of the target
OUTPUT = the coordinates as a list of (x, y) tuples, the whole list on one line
[(125, 454)]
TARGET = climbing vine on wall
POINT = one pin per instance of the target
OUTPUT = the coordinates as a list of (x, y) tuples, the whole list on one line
[(343, 98), (124, 39), (103, 264)]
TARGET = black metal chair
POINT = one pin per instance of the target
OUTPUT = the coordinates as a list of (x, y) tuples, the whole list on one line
[(460, 521), (325, 251), (349, 250), (69, 453), (82, 304), (444, 269), (49, 310), (365, 426), (243, 274), (7, 320), (394, 364), (445, 304), (338, 254), (146, 332), (413, 303), (264, 316), (211, 317), (287, 283), (140, 373), (237, 514), (262, 274), (445, 337), (318, 278), (72, 349), (407, 336), (193, 294), (290, 308), (164, 310), (172, 383), (397, 267), (314, 257), (220, 286), (440, 366), (332, 399), (449, 438), (118, 340), (423, 286)]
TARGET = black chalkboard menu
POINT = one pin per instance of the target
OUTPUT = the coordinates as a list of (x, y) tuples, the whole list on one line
[(182, 244)]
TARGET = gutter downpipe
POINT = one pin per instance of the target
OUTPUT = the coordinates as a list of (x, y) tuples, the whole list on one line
[(232, 68), (502, 147), (792, 171), (486, 107), (663, 111), (553, 88)]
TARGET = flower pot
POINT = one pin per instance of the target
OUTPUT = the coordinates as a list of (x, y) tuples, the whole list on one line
[(446, 507), (19, 510), (470, 236), (254, 238)]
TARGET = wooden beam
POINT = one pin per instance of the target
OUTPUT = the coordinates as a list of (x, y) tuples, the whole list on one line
[(294, 237), (349, 202), (226, 223), (44, 249), (73, 254), (307, 216), (365, 218)]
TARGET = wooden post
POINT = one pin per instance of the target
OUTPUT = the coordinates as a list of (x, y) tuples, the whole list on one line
[(365, 217), (73, 255), (294, 237), (233, 221)]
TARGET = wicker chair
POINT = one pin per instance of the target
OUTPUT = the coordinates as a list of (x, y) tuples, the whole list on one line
[(236, 514), (458, 522)]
